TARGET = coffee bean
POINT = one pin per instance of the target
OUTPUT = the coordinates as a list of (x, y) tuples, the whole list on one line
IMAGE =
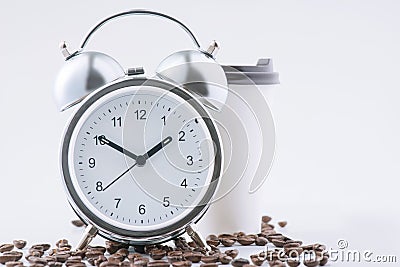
[(174, 258), (80, 253), (16, 254), (279, 243), (319, 247), (124, 264), (157, 254), (193, 257), (209, 259), (6, 247), (245, 240), (227, 236), (182, 264), (276, 263), (62, 256), (43, 247), (261, 241), (311, 263), (123, 251), (158, 263), (249, 265), (267, 226), (225, 259), (270, 237), (115, 258), (239, 262), (14, 263), (77, 264), (133, 256), (293, 262), (227, 242), (293, 252), (37, 265), (239, 234), (256, 260), (208, 265), (324, 261), (232, 253), (192, 244), (78, 223), (19, 244), (140, 262), (33, 259), (6, 258), (113, 246), (93, 253), (108, 264), (282, 223)]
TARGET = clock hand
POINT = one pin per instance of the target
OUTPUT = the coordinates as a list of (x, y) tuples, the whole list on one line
[(102, 138), (158, 147), (122, 174)]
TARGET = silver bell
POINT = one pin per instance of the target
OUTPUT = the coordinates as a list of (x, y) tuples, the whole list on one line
[(83, 73), (198, 72)]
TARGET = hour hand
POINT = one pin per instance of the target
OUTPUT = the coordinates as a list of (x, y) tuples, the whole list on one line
[(104, 140), (158, 147)]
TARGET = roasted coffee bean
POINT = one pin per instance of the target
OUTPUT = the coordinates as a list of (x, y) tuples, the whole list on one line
[(62, 256), (123, 251), (279, 243), (61, 242), (209, 265), (267, 226), (93, 253), (6, 258), (113, 246), (225, 259), (80, 253), (239, 262), (249, 265), (293, 262), (17, 254), (124, 264), (6, 247), (319, 247), (133, 256), (97, 248), (174, 258), (182, 264), (276, 263), (209, 259), (192, 244), (293, 243), (140, 262), (282, 223), (78, 223), (157, 254), (227, 236), (33, 259), (200, 250), (158, 263), (43, 247), (14, 263), (311, 263), (19, 244), (77, 264), (193, 257), (256, 260), (36, 252), (232, 253), (108, 264), (212, 242), (239, 234), (324, 261), (274, 236), (245, 240), (116, 258), (261, 241), (227, 242), (37, 265)]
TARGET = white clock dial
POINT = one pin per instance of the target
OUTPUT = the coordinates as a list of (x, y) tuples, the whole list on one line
[(141, 158)]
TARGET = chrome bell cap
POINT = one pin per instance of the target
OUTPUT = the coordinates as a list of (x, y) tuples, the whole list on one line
[(199, 73), (83, 73)]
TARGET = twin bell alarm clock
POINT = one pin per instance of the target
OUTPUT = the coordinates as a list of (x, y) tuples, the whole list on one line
[(141, 157)]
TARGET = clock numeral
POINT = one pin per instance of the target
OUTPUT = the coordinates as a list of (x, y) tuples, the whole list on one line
[(117, 122), (97, 141), (163, 119), (184, 183), (99, 186), (166, 202), (142, 209), (140, 114), (189, 160), (92, 163), (181, 136), (117, 200)]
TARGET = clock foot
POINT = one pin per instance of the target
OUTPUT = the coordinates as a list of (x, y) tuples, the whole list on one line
[(196, 237), (88, 235)]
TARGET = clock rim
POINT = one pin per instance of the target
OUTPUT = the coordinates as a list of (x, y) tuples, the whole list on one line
[(129, 236)]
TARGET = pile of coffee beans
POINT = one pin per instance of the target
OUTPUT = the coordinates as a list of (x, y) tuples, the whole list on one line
[(285, 252)]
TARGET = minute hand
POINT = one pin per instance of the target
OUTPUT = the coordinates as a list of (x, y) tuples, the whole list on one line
[(158, 147)]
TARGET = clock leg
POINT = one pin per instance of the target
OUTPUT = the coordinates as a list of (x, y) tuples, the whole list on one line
[(88, 235), (196, 237)]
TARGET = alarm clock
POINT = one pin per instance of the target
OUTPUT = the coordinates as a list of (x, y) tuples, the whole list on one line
[(141, 157)]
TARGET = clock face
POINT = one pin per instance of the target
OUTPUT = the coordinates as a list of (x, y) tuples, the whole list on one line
[(141, 158)]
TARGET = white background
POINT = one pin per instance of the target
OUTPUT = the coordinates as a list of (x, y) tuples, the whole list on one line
[(336, 111)]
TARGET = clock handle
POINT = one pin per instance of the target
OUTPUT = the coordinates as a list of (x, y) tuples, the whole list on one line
[(88, 235)]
